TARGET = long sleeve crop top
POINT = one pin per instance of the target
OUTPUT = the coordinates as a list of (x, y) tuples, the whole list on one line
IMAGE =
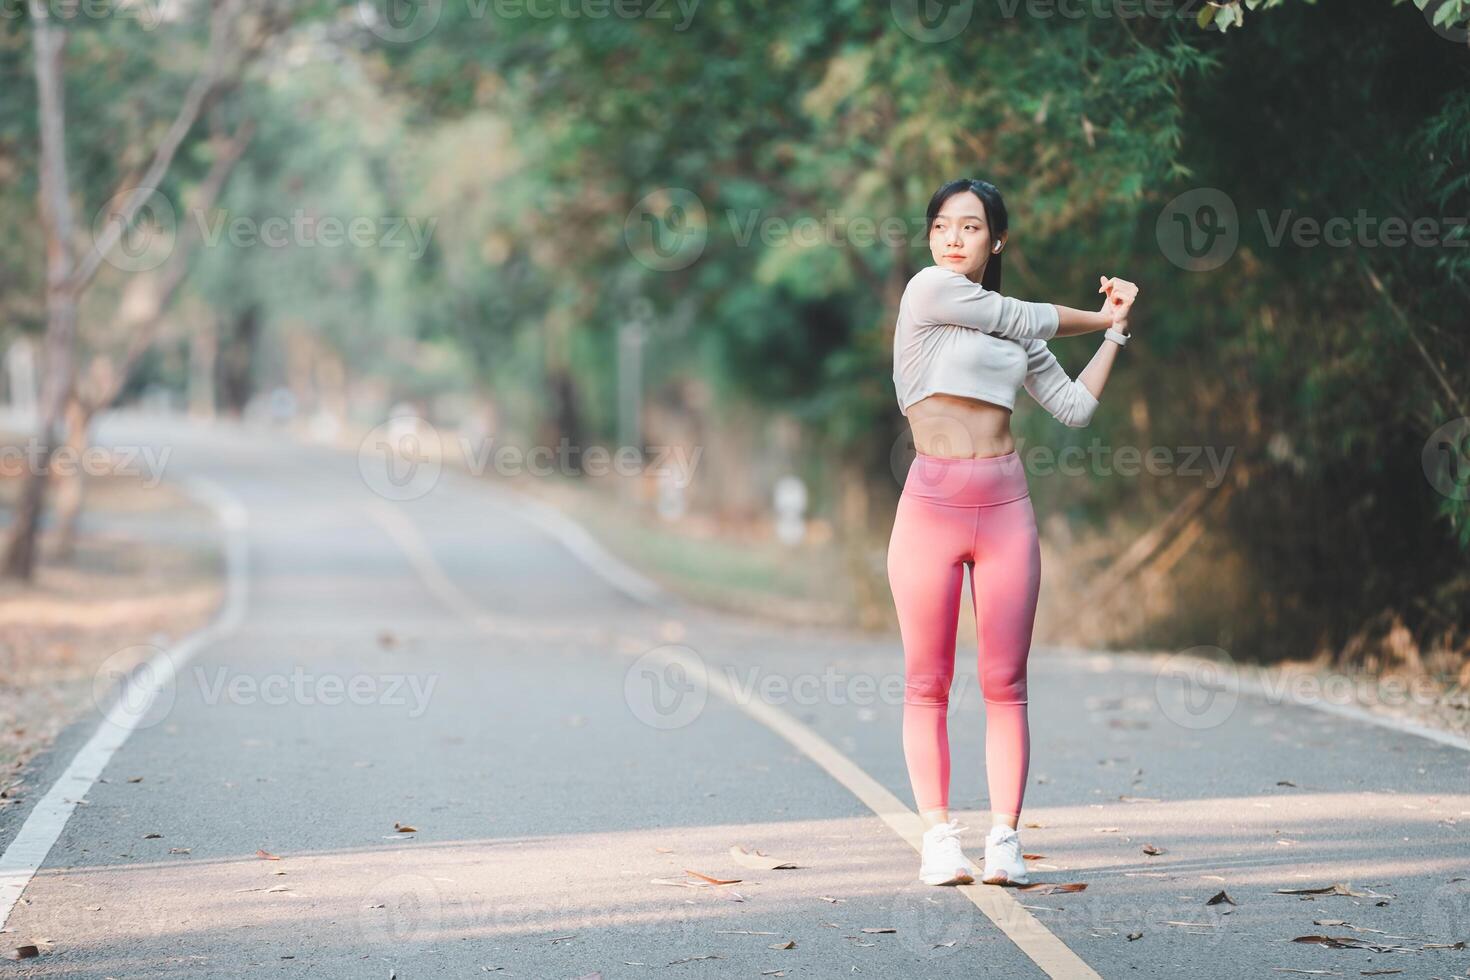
[(956, 337)]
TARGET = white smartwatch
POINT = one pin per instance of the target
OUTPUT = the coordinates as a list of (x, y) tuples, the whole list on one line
[(1117, 336)]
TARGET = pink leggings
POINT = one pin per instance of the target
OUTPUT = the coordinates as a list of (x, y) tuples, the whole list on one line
[(957, 512)]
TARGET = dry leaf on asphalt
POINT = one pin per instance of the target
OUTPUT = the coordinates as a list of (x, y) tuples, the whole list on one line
[(879, 929), (1336, 888), (404, 828), (712, 881), (1052, 887), (1134, 935), (1219, 897), (267, 855), (788, 944), (25, 952), (1152, 849), (757, 859), (1033, 857)]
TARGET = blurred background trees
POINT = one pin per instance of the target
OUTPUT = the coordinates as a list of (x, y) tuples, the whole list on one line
[(747, 181)]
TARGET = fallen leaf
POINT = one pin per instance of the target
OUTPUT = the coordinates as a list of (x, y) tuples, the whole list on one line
[(1052, 887), (25, 952), (1337, 888), (267, 855), (151, 836), (404, 828), (879, 929), (1033, 857), (712, 881), (757, 859), (1285, 782), (1152, 849), (691, 959), (1134, 935), (788, 944), (829, 898), (1328, 922), (135, 779), (1219, 897)]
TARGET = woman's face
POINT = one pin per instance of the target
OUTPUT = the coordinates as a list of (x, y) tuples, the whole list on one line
[(960, 238)]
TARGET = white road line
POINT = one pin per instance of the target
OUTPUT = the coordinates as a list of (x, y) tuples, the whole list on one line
[(1270, 685), (48, 818), (1038, 943), (580, 542)]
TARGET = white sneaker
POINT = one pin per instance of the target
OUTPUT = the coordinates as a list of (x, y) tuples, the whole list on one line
[(1003, 862), (944, 863)]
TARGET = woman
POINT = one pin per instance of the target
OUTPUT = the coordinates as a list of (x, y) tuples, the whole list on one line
[(961, 349)]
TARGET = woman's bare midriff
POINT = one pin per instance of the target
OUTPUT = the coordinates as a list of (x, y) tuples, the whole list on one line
[(960, 428)]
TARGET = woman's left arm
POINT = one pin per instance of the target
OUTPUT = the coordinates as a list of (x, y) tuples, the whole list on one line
[(1071, 402)]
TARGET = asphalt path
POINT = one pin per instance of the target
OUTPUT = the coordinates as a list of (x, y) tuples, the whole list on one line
[(442, 734)]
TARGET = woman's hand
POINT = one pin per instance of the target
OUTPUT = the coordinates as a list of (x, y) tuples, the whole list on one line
[(1118, 301)]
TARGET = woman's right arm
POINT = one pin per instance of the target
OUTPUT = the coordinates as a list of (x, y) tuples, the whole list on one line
[(1116, 304)]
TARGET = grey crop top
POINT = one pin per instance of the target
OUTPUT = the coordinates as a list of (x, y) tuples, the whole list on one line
[(956, 337)]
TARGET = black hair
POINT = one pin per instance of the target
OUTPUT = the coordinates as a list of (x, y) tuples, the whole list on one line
[(995, 217)]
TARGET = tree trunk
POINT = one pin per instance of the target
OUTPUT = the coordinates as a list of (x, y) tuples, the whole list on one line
[(203, 362), (61, 299), (71, 487), (235, 361)]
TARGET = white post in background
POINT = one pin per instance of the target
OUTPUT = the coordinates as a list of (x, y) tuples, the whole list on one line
[(790, 499)]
